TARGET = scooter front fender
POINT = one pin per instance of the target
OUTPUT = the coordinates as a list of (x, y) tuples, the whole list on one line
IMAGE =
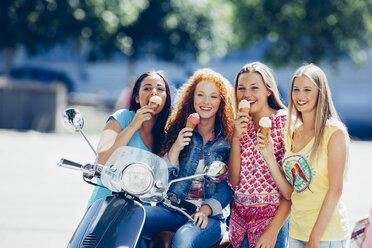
[(110, 222)]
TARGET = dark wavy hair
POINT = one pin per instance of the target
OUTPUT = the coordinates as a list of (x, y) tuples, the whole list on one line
[(161, 118), (184, 106)]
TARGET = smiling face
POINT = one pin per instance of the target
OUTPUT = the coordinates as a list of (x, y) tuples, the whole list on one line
[(304, 94), (207, 99), (152, 85), (251, 87)]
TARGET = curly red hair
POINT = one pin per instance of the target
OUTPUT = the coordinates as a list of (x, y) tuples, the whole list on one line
[(184, 106)]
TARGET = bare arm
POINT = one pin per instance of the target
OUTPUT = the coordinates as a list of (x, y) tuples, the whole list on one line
[(268, 237), (241, 125), (336, 166), (234, 162), (266, 148), (114, 136), (183, 139)]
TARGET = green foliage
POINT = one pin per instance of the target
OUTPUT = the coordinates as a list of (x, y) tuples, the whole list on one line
[(305, 30), (169, 29), (36, 23), (202, 25), (292, 31)]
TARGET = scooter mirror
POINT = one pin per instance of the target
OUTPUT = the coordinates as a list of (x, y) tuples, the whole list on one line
[(73, 120), (216, 171)]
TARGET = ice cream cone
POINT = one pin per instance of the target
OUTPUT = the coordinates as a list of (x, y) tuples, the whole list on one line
[(155, 102), (193, 120), (190, 124), (154, 105), (244, 106), (265, 130), (265, 125), (244, 110)]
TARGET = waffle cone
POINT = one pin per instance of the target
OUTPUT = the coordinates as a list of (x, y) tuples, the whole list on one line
[(154, 105), (245, 110), (264, 130), (190, 124)]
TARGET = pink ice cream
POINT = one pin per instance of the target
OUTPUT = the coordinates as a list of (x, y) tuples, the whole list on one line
[(193, 120)]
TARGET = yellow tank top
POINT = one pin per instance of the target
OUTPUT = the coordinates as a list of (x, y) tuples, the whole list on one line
[(310, 183)]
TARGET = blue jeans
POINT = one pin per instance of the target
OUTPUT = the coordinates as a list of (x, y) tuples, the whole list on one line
[(295, 243), (281, 240), (187, 234)]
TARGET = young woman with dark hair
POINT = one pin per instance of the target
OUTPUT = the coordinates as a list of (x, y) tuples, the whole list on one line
[(137, 127)]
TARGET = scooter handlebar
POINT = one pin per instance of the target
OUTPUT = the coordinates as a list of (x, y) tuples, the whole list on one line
[(188, 205), (181, 203), (69, 164)]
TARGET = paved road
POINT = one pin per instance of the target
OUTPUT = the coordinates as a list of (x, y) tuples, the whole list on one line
[(42, 204)]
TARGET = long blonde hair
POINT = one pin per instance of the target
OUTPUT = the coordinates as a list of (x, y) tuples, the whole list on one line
[(184, 106), (325, 111)]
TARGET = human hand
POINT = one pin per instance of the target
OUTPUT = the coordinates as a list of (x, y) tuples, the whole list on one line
[(183, 138), (241, 124), (201, 216), (312, 243), (267, 239), (265, 145), (143, 114)]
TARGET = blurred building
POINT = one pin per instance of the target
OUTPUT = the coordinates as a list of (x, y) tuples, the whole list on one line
[(100, 84)]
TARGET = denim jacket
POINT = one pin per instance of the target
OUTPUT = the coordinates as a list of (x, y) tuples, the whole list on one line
[(216, 195)]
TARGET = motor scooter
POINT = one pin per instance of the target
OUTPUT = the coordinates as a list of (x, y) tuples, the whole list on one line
[(134, 176)]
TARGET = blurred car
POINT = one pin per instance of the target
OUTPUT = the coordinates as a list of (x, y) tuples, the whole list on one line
[(42, 75)]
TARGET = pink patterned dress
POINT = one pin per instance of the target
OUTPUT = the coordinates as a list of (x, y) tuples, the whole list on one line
[(256, 198)]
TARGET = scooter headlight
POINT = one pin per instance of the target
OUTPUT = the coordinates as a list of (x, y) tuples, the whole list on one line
[(137, 179)]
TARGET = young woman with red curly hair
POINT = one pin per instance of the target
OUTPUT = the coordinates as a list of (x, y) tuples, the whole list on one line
[(188, 150)]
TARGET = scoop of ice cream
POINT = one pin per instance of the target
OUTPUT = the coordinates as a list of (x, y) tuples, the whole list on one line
[(265, 122), (194, 118), (155, 100), (244, 104)]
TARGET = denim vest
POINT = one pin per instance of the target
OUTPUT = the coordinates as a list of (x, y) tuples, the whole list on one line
[(216, 195)]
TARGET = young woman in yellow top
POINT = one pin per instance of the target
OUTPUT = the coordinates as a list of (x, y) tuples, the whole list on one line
[(314, 163)]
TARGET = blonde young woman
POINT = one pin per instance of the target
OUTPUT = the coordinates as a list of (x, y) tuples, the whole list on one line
[(314, 162), (188, 150), (259, 209)]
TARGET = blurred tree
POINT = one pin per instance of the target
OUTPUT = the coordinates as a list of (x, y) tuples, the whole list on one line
[(35, 24), (305, 30), (292, 30), (169, 29), (174, 30), (40, 24)]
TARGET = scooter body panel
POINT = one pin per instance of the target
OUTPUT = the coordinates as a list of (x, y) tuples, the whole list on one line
[(110, 222)]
